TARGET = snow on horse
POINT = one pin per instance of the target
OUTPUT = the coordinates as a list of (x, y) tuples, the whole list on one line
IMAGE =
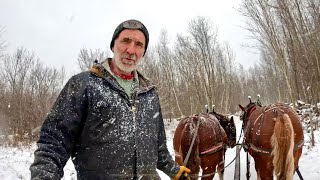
[(201, 141), (274, 138), (228, 126)]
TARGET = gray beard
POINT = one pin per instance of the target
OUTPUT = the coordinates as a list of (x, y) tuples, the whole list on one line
[(125, 68)]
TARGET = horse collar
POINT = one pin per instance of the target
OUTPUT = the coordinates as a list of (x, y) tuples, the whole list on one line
[(251, 110), (247, 114)]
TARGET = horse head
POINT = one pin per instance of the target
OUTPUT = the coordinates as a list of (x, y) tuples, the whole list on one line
[(247, 110), (229, 127)]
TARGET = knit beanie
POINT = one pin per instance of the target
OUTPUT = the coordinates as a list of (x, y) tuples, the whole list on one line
[(130, 24)]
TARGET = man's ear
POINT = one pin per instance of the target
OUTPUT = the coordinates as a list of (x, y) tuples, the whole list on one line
[(242, 108)]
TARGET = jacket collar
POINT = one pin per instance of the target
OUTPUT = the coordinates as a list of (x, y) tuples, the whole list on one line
[(103, 70)]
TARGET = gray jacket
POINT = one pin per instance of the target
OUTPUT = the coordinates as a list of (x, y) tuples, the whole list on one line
[(107, 134)]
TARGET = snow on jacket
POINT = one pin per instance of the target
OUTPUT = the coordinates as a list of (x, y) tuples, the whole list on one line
[(107, 134)]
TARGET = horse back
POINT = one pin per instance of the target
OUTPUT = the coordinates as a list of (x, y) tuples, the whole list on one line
[(262, 121), (211, 133), (178, 134)]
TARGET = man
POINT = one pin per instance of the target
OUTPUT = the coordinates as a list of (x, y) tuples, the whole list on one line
[(108, 120)]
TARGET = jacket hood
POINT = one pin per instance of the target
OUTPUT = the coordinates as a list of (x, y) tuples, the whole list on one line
[(102, 70)]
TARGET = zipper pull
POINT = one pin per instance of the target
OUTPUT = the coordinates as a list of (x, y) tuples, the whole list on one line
[(133, 109)]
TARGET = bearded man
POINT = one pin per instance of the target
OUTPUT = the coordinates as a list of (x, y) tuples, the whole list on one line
[(108, 120)]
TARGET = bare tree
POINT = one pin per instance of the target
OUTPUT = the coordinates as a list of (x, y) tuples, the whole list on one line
[(195, 73), (15, 71), (3, 43), (167, 65), (44, 84), (28, 90), (87, 57), (287, 32), (205, 38)]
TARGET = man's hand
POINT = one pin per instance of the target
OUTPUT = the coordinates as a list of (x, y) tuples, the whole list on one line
[(183, 171)]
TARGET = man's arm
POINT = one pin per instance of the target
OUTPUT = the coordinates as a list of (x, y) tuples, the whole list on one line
[(59, 131), (165, 160)]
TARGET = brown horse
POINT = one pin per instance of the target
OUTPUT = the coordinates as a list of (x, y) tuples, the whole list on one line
[(209, 144), (228, 126), (274, 137)]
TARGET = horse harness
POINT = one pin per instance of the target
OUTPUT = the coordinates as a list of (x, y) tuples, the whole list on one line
[(260, 119), (192, 143), (214, 149), (217, 147)]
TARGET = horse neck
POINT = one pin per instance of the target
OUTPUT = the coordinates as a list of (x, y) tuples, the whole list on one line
[(247, 114), (223, 121)]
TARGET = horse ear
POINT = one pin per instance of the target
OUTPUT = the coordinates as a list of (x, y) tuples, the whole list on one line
[(231, 119), (242, 108)]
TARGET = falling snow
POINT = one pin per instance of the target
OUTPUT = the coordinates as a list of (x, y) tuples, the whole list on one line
[(15, 162)]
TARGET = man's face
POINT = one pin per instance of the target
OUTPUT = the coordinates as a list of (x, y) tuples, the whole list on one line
[(128, 50)]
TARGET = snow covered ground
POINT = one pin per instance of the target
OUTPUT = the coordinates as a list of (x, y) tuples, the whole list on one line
[(15, 162)]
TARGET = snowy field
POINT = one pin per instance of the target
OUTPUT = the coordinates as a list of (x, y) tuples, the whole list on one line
[(15, 162)]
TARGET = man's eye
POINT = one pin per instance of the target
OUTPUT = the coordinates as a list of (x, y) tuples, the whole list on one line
[(126, 40), (139, 44)]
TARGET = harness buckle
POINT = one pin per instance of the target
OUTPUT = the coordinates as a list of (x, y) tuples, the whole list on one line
[(258, 132)]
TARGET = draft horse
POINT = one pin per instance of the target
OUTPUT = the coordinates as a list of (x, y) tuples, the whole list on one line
[(211, 140), (228, 126), (274, 138)]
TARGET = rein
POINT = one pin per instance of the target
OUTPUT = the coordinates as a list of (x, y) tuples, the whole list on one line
[(185, 162)]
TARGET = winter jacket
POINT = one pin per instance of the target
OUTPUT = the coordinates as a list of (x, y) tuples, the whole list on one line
[(107, 134)]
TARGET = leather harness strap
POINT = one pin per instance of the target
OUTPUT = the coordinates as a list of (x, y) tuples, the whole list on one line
[(212, 150), (217, 147), (185, 162), (256, 148), (268, 151), (262, 115)]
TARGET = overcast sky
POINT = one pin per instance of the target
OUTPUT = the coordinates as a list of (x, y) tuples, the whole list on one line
[(55, 30)]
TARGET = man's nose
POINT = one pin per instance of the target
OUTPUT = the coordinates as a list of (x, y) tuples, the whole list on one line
[(131, 48)]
